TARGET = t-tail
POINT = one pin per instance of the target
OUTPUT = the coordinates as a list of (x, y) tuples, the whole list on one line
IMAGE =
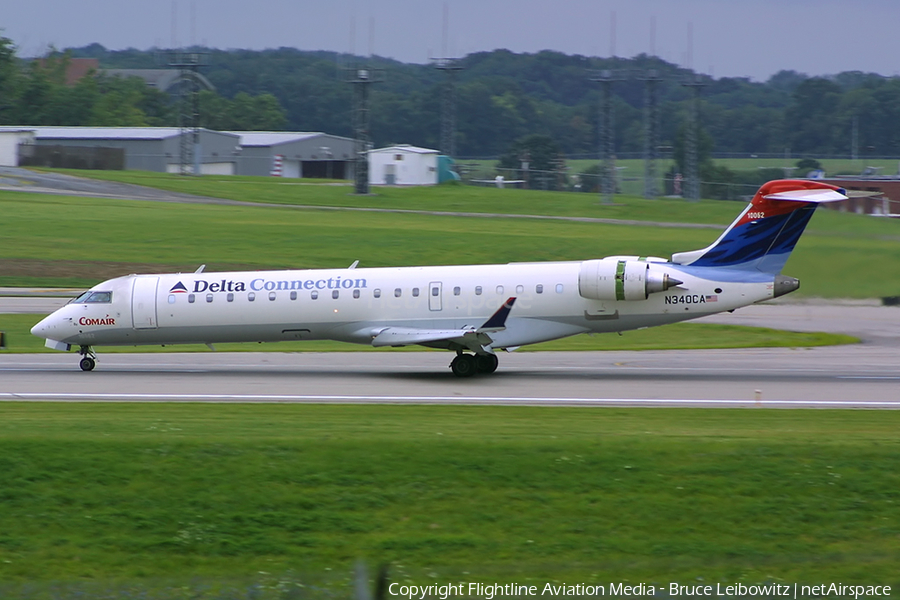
[(763, 236)]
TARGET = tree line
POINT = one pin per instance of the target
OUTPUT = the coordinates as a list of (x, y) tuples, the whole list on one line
[(501, 98)]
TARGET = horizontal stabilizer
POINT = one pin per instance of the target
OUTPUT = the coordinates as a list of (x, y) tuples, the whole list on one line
[(817, 196)]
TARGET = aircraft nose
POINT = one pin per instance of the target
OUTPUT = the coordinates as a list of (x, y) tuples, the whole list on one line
[(40, 329)]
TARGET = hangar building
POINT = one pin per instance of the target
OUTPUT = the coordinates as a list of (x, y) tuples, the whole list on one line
[(148, 148), (302, 154)]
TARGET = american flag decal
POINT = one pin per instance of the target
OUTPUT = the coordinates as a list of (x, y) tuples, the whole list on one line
[(713, 298)]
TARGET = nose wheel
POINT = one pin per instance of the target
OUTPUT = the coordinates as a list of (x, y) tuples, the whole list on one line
[(88, 358)]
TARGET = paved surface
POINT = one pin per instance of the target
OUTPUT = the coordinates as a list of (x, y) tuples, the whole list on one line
[(861, 376), (865, 377)]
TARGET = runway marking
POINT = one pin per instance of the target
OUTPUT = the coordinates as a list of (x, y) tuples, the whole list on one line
[(325, 399)]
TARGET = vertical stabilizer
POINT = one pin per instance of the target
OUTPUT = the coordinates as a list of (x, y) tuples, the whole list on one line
[(764, 235)]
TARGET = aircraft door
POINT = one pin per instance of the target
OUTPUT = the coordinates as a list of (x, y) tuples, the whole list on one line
[(143, 302), (434, 295)]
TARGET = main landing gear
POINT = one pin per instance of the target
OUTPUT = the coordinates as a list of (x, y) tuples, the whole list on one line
[(467, 365), (88, 358)]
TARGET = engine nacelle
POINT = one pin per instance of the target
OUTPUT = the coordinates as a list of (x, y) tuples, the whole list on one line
[(622, 280)]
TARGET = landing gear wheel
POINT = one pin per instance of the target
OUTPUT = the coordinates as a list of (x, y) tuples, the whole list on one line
[(464, 365), (88, 358), (486, 363)]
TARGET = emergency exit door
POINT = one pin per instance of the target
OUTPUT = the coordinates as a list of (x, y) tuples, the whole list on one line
[(434, 295)]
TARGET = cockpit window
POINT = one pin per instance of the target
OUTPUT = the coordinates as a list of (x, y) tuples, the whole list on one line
[(94, 298), (80, 297)]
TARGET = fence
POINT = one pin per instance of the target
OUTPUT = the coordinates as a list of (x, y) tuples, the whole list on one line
[(567, 181)]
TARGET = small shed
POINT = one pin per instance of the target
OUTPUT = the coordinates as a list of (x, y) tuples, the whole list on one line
[(14, 140), (298, 154), (403, 165)]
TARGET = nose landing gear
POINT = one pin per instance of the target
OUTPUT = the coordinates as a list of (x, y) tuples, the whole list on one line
[(88, 358)]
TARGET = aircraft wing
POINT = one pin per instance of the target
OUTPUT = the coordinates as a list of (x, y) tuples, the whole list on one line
[(475, 338)]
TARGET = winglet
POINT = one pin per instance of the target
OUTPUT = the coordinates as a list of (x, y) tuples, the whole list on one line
[(498, 319)]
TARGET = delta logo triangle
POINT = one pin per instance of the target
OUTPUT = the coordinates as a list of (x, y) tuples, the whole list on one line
[(178, 288)]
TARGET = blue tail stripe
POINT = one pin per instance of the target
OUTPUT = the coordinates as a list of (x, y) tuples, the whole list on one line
[(745, 245)]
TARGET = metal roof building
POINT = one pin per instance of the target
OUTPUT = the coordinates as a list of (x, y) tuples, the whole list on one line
[(299, 154), (149, 148)]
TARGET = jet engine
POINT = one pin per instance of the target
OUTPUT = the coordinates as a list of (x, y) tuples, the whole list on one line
[(622, 280)]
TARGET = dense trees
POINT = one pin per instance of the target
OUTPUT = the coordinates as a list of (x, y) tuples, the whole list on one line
[(501, 97)]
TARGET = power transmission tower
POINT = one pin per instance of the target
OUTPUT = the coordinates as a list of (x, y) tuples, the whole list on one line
[(362, 78), (607, 135), (691, 165), (450, 66), (189, 64), (651, 132)]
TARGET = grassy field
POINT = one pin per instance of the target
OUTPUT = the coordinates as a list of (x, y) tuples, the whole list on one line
[(203, 497), (671, 337), (76, 242)]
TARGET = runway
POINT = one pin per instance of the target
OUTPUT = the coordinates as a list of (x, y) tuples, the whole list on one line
[(863, 376)]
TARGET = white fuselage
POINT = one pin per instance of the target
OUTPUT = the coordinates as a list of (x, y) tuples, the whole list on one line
[(355, 305)]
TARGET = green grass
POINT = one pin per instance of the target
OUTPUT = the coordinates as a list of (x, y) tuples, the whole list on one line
[(453, 198), (54, 240), (205, 495), (671, 337)]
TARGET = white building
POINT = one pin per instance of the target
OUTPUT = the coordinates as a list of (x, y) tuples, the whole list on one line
[(403, 165), (10, 140)]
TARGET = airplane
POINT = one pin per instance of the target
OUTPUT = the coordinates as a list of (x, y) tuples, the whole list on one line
[(473, 310)]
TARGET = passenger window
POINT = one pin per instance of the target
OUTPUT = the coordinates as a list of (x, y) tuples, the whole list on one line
[(293, 295), (356, 293), (435, 291), (209, 297), (271, 296), (520, 289), (171, 298), (251, 296), (397, 292), (499, 289), (377, 293), (415, 292), (314, 295), (559, 288), (539, 288), (191, 298), (477, 290), (335, 294), (457, 291)]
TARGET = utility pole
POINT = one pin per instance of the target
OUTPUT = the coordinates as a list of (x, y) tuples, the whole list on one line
[(450, 66), (691, 165), (651, 132), (607, 135), (362, 78), (189, 64)]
